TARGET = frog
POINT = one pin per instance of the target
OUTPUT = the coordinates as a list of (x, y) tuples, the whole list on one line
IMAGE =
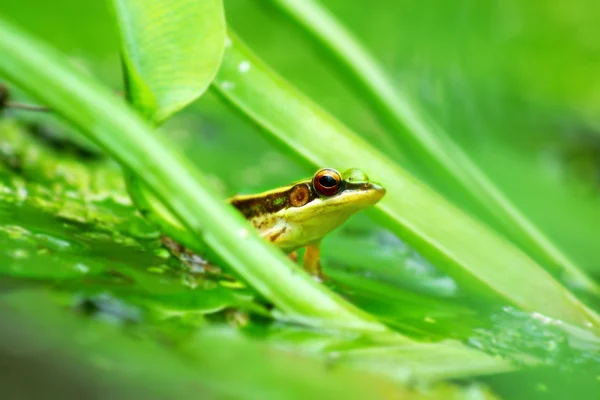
[(301, 214)]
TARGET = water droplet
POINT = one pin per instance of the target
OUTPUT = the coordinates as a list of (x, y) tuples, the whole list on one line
[(22, 193), (244, 67), (227, 85), (84, 269), (475, 392), (52, 242), (162, 253), (542, 318), (551, 345), (243, 233), (227, 41), (156, 269), (20, 254), (122, 199)]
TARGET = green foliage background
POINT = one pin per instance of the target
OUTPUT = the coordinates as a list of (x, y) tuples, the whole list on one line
[(88, 288)]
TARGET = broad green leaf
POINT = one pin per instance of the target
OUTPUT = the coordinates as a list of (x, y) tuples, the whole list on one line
[(427, 144), (171, 51), (457, 244), (401, 362), (213, 363)]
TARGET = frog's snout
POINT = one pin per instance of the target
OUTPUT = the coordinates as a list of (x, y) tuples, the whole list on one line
[(379, 189), (373, 186), (375, 191)]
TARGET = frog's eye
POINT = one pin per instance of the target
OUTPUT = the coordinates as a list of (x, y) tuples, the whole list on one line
[(327, 181)]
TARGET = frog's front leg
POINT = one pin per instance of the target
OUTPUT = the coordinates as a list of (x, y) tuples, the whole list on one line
[(293, 256), (312, 260)]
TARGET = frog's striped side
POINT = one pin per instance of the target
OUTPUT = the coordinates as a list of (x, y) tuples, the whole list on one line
[(301, 214)]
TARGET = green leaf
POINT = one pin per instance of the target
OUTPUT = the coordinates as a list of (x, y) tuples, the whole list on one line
[(464, 248), (171, 51), (427, 144), (210, 363)]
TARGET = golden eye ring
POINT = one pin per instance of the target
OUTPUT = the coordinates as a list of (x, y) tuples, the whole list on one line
[(327, 182)]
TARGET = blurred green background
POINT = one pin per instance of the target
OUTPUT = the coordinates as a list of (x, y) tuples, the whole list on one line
[(513, 82)]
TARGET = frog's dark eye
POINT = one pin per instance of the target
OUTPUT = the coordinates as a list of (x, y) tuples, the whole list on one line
[(327, 181)]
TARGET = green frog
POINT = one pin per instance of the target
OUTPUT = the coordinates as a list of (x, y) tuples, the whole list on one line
[(301, 214)]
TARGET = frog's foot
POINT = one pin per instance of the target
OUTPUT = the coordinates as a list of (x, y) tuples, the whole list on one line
[(312, 261)]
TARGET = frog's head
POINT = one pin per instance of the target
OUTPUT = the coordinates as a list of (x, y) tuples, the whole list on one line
[(318, 205), (329, 193)]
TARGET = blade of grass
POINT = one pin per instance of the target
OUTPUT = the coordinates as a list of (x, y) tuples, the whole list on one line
[(428, 142), (117, 129), (459, 245)]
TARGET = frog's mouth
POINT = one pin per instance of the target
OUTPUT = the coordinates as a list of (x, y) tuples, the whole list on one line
[(359, 195)]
